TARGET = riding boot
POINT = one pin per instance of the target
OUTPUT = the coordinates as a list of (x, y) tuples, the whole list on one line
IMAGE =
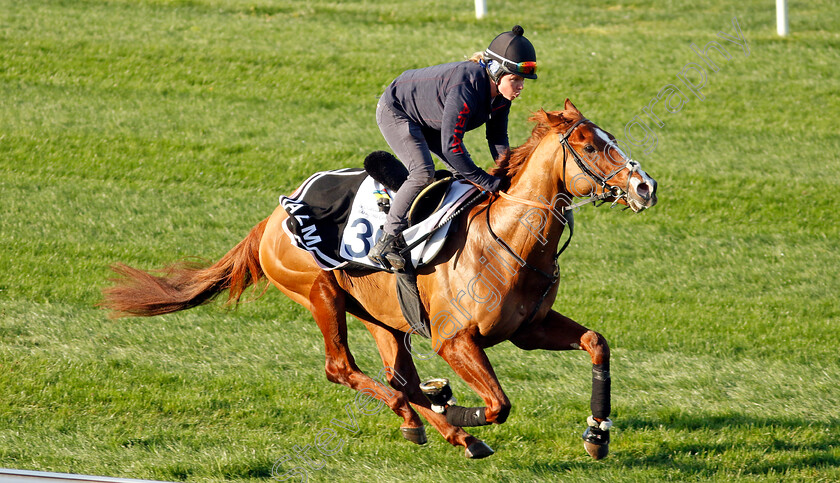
[(386, 251)]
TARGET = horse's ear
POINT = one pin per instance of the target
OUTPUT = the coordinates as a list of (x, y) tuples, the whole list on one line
[(554, 118), (541, 117), (570, 106)]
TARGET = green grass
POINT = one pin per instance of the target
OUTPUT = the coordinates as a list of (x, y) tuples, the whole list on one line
[(148, 131)]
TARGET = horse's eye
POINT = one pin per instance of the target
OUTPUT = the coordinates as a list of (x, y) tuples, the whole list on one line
[(589, 148)]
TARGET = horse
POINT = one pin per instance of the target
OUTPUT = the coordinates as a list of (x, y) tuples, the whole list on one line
[(494, 280)]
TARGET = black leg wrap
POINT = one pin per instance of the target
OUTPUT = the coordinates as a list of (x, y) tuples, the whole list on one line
[(600, 402), (461, 416)]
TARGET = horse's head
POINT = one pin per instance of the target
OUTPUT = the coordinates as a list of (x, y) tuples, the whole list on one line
[(592, 163)]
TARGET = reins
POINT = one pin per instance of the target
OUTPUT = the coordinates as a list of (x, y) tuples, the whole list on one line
[(606, 192), (523, 201), (537, 204)]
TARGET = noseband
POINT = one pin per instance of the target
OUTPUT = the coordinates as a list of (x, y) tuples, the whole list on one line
[(607, 191)]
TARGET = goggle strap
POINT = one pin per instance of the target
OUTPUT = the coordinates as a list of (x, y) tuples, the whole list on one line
[(505, 61)]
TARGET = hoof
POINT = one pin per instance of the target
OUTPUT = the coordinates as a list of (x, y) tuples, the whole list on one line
[(478, 450), (415, 435), (597, 451), (596, 438)]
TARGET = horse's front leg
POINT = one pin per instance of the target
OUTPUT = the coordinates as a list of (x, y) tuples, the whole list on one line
[(558, 332), (466, 357)]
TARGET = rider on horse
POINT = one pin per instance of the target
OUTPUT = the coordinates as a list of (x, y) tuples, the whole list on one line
[(428, 111)]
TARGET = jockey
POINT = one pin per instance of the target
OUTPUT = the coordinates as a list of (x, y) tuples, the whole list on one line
[(428, 110)]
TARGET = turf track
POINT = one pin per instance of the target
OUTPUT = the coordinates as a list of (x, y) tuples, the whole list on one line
[(148, 131)]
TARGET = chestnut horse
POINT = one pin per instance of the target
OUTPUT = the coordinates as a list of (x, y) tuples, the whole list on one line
[(495, 279)]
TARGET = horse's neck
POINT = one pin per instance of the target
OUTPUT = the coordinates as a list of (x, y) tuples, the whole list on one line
[(533, 233)]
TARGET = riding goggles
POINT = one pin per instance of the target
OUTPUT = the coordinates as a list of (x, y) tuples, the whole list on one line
[(527, 68), (523, 67)]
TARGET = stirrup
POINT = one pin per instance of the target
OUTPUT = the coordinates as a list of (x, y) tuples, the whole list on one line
[(395, 260), (386, 251)]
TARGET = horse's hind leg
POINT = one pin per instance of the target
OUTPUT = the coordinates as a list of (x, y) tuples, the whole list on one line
[(558, 332), (327, 304), (402, 375), (295, 273)]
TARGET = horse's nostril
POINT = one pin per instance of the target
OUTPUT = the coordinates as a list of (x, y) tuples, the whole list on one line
[(643, 190)]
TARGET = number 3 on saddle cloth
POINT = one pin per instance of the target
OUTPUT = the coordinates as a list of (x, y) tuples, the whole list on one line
[(338, 215)]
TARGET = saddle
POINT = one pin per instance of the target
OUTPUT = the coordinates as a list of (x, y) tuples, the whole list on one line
[(385, 168), (337, 215)]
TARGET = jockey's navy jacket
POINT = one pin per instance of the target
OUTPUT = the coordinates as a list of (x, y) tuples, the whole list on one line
[(446, 101)]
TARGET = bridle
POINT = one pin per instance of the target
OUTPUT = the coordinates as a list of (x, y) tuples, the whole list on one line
[(607, 191)]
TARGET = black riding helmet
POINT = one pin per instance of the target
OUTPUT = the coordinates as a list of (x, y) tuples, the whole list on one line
[(511, 53)]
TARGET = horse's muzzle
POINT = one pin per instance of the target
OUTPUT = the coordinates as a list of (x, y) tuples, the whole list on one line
[(642, 193)]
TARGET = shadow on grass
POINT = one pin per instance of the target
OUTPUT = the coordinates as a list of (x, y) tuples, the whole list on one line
[(682, 420), (755, 445), (739, 444), (182, 471)]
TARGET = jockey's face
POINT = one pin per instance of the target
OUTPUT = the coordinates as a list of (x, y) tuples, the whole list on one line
[(511, 86)]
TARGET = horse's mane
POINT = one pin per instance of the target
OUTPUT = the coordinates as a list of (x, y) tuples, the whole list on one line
[(509, 164)]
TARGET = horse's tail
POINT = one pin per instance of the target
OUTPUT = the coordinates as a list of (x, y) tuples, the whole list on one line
[(185, 285)]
